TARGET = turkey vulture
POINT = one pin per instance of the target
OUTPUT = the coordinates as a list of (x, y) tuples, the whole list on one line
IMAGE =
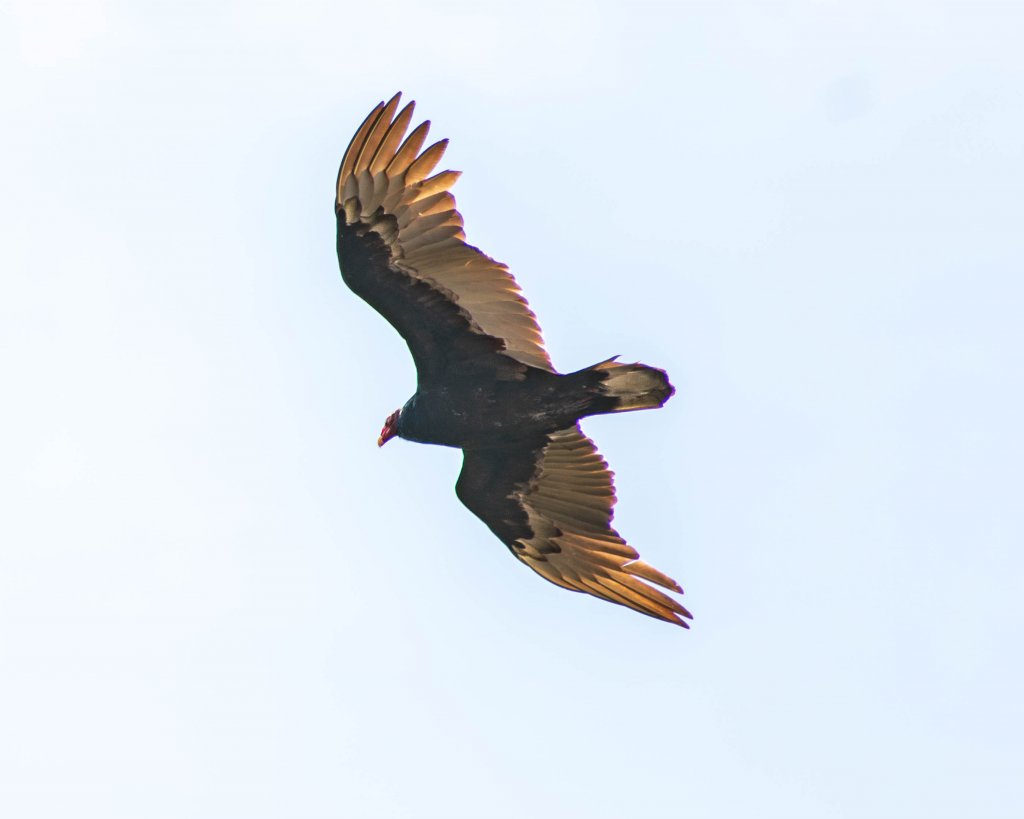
[(485, 382)]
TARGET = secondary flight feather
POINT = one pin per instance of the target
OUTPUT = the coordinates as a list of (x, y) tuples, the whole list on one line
[(485, 382)]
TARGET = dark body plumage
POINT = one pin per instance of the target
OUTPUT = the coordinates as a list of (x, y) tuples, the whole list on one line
[(469, 394), (485, 383)]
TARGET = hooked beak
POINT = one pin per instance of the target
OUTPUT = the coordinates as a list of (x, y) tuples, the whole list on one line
[(390, 429)]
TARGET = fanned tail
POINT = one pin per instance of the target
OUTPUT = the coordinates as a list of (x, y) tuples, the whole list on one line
[(633, 386)]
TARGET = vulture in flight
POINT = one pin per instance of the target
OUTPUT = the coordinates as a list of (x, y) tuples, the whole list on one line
[(485, 383)]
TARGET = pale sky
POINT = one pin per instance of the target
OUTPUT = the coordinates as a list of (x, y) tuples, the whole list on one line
[(219, 599)]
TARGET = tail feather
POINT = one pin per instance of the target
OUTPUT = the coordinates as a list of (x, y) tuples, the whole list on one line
[(633, 386)]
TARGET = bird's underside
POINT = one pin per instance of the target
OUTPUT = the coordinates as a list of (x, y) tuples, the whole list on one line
[(552, 506), (485, 380)]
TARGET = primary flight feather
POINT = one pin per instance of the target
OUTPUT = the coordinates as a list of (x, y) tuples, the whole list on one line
[(485, 383)]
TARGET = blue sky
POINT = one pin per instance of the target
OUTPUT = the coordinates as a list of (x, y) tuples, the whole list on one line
[(219, 599)]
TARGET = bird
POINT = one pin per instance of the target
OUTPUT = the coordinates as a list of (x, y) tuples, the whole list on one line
[(485, 381)]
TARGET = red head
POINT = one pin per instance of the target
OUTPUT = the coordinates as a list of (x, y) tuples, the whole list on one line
[(390, 428)]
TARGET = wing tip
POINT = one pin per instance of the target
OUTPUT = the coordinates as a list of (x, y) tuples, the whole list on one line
[(357, 143), (680, 617)]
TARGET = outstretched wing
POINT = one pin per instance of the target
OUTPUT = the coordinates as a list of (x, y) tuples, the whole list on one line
[(551, 504), (401, 248)]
